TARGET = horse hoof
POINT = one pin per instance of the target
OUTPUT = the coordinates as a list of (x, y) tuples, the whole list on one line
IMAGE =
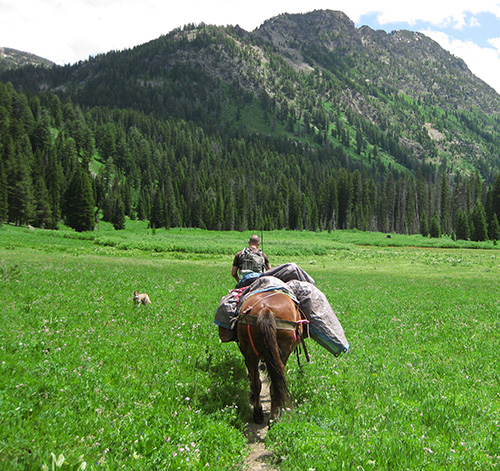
[(258, 416)]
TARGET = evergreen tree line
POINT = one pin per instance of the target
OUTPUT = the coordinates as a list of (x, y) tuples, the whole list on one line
[(59, 163)]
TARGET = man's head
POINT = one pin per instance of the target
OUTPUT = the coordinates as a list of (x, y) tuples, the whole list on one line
[(254, 241)]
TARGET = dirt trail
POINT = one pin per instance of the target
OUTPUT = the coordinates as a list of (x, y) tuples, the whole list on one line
[(260, 458)]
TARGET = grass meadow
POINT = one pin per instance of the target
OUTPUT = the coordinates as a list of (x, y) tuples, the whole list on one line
[(88, 380)]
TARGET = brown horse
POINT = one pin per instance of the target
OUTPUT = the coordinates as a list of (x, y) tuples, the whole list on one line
[(269, 329)]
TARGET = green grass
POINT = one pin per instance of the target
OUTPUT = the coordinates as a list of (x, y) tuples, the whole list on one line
[(419, 389), (86, 373)]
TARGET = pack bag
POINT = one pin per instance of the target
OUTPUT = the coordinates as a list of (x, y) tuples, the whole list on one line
[(324, 326)]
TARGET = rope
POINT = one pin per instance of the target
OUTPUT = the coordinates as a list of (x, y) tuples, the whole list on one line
[(251, 341)]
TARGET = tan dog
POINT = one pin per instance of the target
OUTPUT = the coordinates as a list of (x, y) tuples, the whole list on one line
[(141, 298)]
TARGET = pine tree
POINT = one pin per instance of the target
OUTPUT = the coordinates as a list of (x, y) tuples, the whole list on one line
[(360, 142), (172, 209), (424, 224), (332, 205), (126, 196), (411, 198), (462, 230), (229, 209), (295, 210), (118, 217), (494, 229), (480, 229), (445, 205), (21, 201), (435, 229), (344, 198), (143, 208), (157, 219), (495, 196), (43, 211), (219, 211), (79, 202), (55, 188), (40, 137), (4, 207)]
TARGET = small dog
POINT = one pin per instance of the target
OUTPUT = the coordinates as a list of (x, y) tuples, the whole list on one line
[(141, 298)]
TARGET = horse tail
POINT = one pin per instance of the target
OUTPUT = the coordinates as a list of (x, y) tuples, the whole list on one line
[(267, 325)]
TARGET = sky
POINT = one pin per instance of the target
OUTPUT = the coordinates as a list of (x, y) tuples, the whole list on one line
[(67, 31)]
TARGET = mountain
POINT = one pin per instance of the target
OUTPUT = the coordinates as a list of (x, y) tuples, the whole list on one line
[(403, 83), (398, 99), (306, 122), (12, 59), (401, 62)]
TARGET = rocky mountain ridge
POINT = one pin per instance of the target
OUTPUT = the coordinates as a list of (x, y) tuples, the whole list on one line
[(395, 99), (12, 59)]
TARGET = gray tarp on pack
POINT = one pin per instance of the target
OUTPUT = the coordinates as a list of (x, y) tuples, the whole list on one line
[(268, 283), (324, 326), (285, 272), (288, 272), (227, 309)]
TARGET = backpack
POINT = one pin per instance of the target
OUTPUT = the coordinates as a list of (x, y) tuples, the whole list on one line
[(253, 260)]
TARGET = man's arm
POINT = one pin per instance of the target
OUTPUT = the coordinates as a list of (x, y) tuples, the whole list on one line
[(268, 265), (234, 273)]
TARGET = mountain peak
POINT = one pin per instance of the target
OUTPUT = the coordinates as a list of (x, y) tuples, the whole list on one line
[(287, 28)]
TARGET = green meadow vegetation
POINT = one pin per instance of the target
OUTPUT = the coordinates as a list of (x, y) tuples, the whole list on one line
[(88, 380)]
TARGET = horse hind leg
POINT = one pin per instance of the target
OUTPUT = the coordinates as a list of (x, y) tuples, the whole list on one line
[(255, 389), (283, 396)]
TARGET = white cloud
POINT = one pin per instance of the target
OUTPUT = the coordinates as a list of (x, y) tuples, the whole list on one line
[(495, 42), (70, 31), (484, 62)]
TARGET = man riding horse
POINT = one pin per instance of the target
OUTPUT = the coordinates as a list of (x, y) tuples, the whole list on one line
[(249, 263)]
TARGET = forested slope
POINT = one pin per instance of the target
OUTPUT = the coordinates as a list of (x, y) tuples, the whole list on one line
[(305, 123)]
